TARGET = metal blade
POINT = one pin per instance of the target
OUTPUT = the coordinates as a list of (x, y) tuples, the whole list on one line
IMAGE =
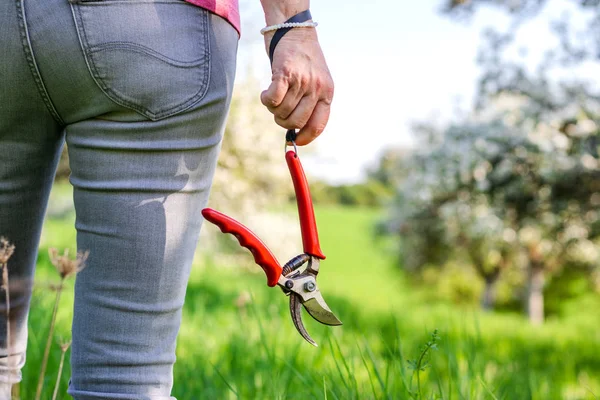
[(296, 311), (319, 310)]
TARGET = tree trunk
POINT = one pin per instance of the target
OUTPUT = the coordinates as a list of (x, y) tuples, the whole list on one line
[(488, 298), (535, 295)]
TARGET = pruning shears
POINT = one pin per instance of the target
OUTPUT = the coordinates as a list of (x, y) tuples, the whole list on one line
[(298, 277)]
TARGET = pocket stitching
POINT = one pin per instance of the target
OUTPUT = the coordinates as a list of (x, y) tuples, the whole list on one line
[(119, 98), (138, 48)]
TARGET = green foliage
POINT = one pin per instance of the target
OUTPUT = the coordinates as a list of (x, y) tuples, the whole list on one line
[(63, 170), (453, 283), (372, 193), (386, 170), (237, 341), (377, 189)]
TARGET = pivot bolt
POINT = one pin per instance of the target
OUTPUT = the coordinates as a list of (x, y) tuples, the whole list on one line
[(310, 286), (289, 284)]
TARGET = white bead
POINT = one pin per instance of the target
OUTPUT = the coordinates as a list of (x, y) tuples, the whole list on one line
[(308, 24)]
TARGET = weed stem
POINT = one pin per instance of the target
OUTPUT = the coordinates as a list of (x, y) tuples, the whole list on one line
[(63, 348), (7, 301), (40, 384)]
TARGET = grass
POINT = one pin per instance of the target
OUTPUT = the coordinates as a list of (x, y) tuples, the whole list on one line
[(230, 349)]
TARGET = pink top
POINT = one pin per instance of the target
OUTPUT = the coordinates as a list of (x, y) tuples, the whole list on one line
[(228, 9)]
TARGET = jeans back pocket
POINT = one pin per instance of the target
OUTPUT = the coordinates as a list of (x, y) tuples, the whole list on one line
[(152, 56)]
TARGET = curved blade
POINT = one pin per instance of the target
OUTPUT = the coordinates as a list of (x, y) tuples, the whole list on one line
[(319, 310), (296, 311)]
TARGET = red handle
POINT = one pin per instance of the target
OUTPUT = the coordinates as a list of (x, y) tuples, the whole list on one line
[(310, 236), (262, 255)]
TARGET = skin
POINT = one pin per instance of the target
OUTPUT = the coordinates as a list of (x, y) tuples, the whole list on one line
[(301, 88)]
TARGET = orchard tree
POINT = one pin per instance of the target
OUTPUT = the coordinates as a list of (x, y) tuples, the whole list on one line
[(558, 97), (444, 208), (503, 190)]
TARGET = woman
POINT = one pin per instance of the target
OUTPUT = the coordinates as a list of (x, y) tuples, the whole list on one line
[(139, 89)]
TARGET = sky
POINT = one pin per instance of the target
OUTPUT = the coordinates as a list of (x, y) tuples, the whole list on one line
[(394, 63)]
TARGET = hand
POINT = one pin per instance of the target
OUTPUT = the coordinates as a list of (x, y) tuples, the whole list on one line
[(301, 90)]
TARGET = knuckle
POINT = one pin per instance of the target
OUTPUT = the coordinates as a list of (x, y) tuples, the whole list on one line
[(282, 113), (314, 130), (295, 80), (268, 98), (270, 102), (295, 123), (283, 73), (284, 123), (329, 92), (317, 130), (304, 81), (319, 84)]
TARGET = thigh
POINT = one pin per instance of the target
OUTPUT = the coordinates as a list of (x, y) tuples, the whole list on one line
[(30, 141), (140, 181)]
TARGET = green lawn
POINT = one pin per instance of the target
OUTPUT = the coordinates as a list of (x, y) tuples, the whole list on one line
[(252, 351)]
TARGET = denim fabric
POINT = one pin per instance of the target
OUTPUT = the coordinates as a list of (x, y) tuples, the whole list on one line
[(140, 91)]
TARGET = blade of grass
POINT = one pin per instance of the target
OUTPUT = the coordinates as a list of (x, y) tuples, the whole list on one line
[(302, 378), (337, 364), (364, 360), (591, 392), (261, 329), (375, 369), (388, 370), (296, 353), (346, 367), (400, 354), (225, 380), (402, 377), (440, 389), (487, 389), (335, 396)]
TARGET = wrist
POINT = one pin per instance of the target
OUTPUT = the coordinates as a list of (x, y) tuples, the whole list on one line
[(298, 36), (278, 11), (302, 19)]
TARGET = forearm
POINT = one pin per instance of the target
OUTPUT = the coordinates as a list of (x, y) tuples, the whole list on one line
[(278, 11)]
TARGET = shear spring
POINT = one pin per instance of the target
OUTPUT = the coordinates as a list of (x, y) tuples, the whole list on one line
[(295, 263)]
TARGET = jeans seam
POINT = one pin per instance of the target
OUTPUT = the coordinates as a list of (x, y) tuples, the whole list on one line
[(118, 99), (29, 56)]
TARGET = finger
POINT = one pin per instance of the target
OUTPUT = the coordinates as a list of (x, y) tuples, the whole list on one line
[(300, 115), (288, 104), (275, 93), (315, 125)]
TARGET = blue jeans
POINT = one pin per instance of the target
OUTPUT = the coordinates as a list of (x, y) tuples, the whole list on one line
[(140, 90)]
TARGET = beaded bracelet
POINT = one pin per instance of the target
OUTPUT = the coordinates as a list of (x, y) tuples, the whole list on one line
[(270, 28)]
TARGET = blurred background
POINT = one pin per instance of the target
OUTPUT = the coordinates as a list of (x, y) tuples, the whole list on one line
[(457, 189)]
